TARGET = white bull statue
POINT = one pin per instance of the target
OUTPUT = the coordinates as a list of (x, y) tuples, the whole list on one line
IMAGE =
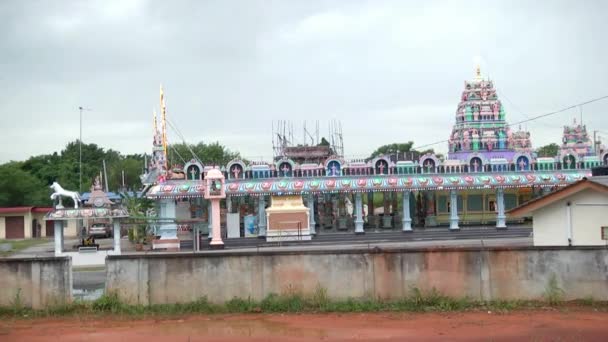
[(59, 191)]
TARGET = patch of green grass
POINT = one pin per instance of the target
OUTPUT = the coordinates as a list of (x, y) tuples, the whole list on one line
[(19, 245), (291, 301)]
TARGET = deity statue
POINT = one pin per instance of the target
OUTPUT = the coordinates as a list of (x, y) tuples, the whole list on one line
[(97, 183), (466, 143)]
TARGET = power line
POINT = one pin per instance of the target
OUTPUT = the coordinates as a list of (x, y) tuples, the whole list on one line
[(184, 141), (532, 118), (175, 151)]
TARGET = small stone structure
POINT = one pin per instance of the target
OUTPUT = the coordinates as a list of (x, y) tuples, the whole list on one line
[(99, 207), (288, 219)]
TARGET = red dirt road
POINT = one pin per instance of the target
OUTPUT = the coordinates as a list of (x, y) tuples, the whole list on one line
[(571, 325)]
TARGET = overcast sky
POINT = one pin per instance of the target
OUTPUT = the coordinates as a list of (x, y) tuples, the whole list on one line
[(390, 71)]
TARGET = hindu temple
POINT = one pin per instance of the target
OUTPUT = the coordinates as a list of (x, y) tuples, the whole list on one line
[(489, 169)]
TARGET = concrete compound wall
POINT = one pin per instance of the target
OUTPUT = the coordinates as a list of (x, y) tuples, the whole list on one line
[(521, 273), (35, 282)]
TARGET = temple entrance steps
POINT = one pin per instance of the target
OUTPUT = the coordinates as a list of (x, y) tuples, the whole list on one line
[(418, 234)]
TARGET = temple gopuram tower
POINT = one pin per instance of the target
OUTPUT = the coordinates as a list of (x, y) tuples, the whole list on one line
[(481, 132), (576, 146)]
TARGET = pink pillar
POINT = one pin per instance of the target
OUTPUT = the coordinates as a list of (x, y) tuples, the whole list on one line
[(216, 238)]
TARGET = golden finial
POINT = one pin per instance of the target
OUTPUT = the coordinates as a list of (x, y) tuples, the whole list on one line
[(477, 61)]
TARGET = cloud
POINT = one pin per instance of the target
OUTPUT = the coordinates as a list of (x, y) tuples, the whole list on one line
[(388, 70)]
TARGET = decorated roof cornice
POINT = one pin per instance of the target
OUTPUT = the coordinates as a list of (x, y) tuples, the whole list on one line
[(87, 213), (287, 186)]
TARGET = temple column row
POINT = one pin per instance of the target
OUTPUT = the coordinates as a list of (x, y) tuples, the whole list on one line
[(500, 208), (406, 220)]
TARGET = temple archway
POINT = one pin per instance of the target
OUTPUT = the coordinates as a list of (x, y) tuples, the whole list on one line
[(193, 170), (285, 169), (522, 163), (475, 164), (569, 162), (605, 159), (381, 167), (334, 168), (236, 170)]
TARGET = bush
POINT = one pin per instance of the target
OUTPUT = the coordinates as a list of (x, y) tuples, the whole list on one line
[(107, 303)]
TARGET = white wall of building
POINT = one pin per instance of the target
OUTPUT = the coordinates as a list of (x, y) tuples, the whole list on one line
[(589, 212)]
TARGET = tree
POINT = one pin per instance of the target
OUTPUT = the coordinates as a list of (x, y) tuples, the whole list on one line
[(400, 148), (26, 183), (548, 150), (392, 149), (210, 154), (20, 188), (324, 142)]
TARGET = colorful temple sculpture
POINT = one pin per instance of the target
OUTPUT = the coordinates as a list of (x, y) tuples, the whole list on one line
[(489, 169), (577, 150)]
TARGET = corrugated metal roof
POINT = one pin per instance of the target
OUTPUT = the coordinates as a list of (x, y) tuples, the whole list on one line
[(15, 210), (20, 210)]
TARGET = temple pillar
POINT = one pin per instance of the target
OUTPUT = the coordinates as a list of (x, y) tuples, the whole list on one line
[(262, 216), (216, 236), (311, 217), (167, 212), (335, 210), (116, 236), (430, 218), (370, 208), (229, 204), (209, 221), (58, 237), (454, 210), (407, 219), (386, 217), (500, 205), (359, 213)]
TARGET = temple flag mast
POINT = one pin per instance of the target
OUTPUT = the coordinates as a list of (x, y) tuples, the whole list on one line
[(163, 110), (155, 121)]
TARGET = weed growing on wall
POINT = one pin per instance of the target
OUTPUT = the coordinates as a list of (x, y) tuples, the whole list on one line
[(553, 293)]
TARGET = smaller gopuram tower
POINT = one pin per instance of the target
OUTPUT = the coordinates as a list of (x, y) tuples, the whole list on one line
[(481, 130), (576, 139), (157, 166)]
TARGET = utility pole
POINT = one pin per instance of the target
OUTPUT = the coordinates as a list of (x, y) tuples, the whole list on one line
[(105, 175), (80, 152), (80, 109)]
